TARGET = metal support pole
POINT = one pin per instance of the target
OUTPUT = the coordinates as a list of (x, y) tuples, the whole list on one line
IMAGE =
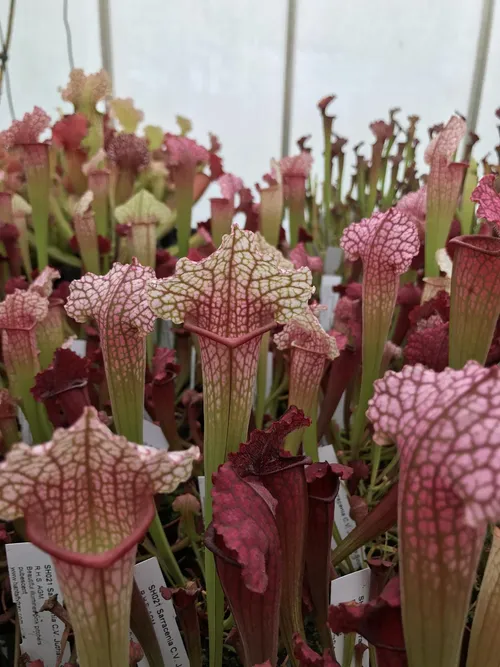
[(482, 49), (289, 75), (105, 34)]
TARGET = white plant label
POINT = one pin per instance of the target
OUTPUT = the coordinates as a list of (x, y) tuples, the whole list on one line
[(149, 579), (152, 435), (79, 347), (201, 487), (353, 587), (329, 299), (342, 519), (165, 334), (269, 373), (26, 436), (333, 258), (33, 580)]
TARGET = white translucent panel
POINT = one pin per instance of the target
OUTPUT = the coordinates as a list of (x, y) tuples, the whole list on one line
[(418, 56), (488, 122), (218, 62), (38, 60)]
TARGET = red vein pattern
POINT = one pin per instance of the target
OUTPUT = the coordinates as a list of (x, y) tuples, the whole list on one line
[(117, 302), (414, 204), (43, 283), (8, 421), (230, 299), (27, 130), (310, 348), (86, 232), (20, 312), (50, 332), (87, 498), (443, 188), (247, 549), (475, 297), (486, 195), (294, 172), (447, 429), (221, 218), (386, 244)]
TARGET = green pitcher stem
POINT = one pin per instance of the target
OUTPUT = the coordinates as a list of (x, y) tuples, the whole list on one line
[(432, 245), (374, 177), (261, 381), (310, 438), (306, 370), (21, 380), (375, 461), (184, 204), (190, 529), (225, 429), (100, 208), (327, 179), (467, 208), (39, 198), (165, 551), (271, 213), (126, 390), (90, 257), (378, 307), (475, 298), (296, 210), (37, 418), (62, 224), (102, 633)]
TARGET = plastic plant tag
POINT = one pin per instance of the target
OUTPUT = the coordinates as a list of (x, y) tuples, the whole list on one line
[(343, 520), (33, 580), (269, 373), (79, 347), (153, 435), (201, 487), (329, 299), (149, 579), (333, 259), (165, 334), (26, 436), (353, 587)]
